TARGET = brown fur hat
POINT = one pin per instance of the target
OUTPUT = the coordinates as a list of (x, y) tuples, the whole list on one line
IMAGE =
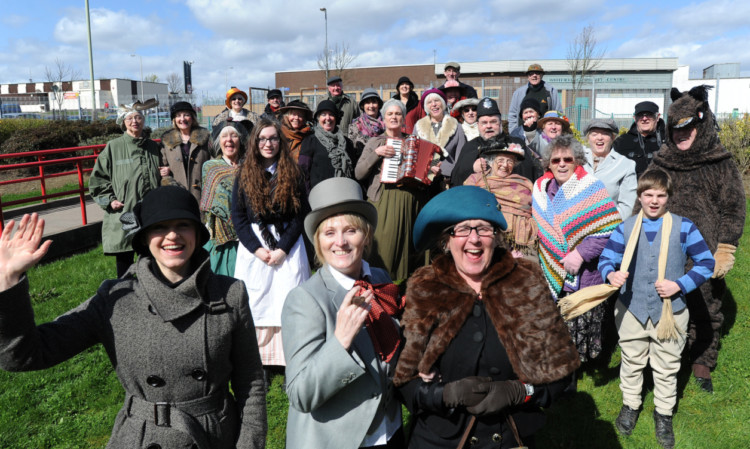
[(691, 109)]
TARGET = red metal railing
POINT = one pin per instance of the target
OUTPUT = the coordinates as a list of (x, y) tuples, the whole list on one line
[(41, 163)]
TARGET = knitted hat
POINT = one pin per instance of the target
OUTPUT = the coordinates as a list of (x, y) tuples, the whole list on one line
[(431, 91), (441, 212), (230, 93), (531, 103), (337, 196), (163, 204)]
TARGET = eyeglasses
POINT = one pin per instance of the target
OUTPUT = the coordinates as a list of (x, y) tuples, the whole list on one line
[(262, 140), (534, 74), (556, 160), (647, 115), (237, 99), (465, 231), (134, 118)]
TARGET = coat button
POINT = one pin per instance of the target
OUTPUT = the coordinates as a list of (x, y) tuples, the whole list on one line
[(477, 310), (153, 446), (198, 374), (155, 381), (151, 309), (473, 441), (478, 336), (496, 437)]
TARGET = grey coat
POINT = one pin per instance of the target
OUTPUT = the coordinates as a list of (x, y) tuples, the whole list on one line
[(334, 395), (167, 345)]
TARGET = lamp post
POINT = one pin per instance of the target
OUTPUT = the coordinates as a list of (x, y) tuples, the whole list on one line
[(91, 64), (325, 13), (141, 59)]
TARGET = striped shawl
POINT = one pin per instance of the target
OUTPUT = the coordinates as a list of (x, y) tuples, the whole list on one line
[(581, 208)]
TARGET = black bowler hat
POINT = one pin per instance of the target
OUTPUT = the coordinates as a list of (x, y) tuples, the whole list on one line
[(273, 93), (163, 204), (487, 106), (404, 80), (180, 106)]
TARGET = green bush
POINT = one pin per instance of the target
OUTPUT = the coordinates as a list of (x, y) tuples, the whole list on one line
[(735, 136), (99, 140), (10, 126)]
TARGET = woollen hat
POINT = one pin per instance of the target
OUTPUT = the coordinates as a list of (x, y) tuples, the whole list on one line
[(556, 116), (534, 68), (440, 212), (606, 124), (368, 94), (273, 93), (180, 106), (646, 106), (230, 93), (299, 105), (531, 103), (487, 106), (404, 80), (337, 196), (434, 90), (163, 204)]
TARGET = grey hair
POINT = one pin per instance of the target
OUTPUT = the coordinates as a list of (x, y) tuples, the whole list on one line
[(564, 142), (390, 103), (243, 136), (430, 96)]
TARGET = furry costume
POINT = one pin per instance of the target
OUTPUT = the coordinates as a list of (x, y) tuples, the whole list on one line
[(707, 189), (438, 301)]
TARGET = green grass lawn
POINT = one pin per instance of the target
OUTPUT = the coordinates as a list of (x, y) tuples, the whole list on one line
[(74, 404)]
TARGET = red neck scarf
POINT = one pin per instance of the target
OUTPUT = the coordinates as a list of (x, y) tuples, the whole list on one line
[(383, 331)]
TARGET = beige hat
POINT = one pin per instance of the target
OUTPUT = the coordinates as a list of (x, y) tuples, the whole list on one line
[(337, 196)]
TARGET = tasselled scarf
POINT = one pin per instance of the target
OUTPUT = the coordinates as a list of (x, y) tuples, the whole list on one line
[(581, 208), (335, 145)]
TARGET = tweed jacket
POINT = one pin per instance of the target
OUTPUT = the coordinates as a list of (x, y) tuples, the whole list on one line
[(200, 151), (334, 395), (348, 111), (167, 345)]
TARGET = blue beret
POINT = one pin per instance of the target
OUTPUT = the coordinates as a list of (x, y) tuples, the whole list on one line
[(454, 206)]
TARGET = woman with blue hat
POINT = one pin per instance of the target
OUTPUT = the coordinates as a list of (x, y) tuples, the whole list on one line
[(176, 333), (485, 347)]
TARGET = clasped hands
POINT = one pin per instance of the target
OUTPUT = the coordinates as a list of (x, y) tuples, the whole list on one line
[(665, 288), (482, 395)]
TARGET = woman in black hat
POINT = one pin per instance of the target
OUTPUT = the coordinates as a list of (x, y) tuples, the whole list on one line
[(176, 333), (485, 347), (405, 93), (184, 149), (295, 125), (327, 152), (369, 124)]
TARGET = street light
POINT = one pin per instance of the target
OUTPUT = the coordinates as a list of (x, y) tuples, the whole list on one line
[(141, 58), (325, 13)]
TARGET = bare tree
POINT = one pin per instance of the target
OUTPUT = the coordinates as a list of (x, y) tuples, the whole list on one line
[(338, 59), (153, 78), (59, 75), (584, 56), (174, 83)]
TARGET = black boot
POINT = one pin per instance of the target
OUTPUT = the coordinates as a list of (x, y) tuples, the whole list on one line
[(626, 420), (663, 430), (267, 377)]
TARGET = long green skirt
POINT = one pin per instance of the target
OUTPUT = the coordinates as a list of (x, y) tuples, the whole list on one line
[(393, 248), (223, 257)]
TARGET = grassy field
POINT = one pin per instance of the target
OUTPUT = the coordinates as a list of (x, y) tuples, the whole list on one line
[(74, 404)]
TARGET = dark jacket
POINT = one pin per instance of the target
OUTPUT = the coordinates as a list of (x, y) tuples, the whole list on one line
[(200, 151), (514, 332), (640, 149), (314, 161), (529, 168), (469, 91), (269, 114), (411, 103), (169, 345)]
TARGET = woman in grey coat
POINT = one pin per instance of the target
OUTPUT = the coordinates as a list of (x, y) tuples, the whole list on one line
[(176, 333)]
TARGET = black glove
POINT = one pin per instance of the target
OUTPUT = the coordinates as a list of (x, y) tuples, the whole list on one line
[(499, 396), (464, 392)]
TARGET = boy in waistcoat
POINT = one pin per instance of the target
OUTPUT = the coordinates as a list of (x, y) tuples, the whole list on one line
[(639, 307)]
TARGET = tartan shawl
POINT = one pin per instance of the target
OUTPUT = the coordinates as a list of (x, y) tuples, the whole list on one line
[(581, 208)]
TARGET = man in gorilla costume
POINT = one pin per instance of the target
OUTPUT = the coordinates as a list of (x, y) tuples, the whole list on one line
[(708, 190)]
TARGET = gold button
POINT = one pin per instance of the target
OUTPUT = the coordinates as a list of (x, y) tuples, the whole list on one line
[(473, 441)]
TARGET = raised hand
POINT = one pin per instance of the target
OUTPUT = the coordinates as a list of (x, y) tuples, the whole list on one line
[(21, 251), (351, 315)]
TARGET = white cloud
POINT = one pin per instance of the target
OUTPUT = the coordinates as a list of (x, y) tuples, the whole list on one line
[(110, 30), (15, 20)]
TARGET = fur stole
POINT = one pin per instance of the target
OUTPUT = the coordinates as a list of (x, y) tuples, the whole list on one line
[(438, 302), (198, 136), (449, 126)]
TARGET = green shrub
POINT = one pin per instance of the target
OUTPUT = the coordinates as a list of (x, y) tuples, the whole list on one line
[(735, 136), (99, 140), (9, 126)]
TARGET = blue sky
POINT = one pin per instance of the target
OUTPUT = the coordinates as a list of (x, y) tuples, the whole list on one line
[(243, 42)]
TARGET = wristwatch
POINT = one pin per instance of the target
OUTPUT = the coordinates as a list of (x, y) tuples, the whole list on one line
[(529, 392)]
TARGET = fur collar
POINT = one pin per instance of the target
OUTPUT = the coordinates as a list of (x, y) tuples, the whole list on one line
[(530, 327), (448, 128), (198, 136)]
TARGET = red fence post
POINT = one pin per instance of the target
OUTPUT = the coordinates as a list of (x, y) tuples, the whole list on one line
[(41, 180)]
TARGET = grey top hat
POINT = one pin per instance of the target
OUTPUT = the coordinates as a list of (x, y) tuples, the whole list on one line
[(337, 196), (602, 123)]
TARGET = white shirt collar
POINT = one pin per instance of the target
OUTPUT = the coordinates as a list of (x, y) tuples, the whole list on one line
[(346, 281)]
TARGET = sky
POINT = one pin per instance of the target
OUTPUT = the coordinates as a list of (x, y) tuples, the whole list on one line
[(244, 42)]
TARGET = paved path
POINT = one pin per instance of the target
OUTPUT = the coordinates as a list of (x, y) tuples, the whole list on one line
[(59, 216)]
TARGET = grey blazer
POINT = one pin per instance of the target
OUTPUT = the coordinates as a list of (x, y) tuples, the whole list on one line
[(334, 395)]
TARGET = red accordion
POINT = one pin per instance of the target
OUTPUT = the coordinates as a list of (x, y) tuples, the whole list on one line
[(411, 163)]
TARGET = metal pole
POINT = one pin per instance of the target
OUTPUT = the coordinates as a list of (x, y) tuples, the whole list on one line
[(91, 64), (325, 13), (141, 60)]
